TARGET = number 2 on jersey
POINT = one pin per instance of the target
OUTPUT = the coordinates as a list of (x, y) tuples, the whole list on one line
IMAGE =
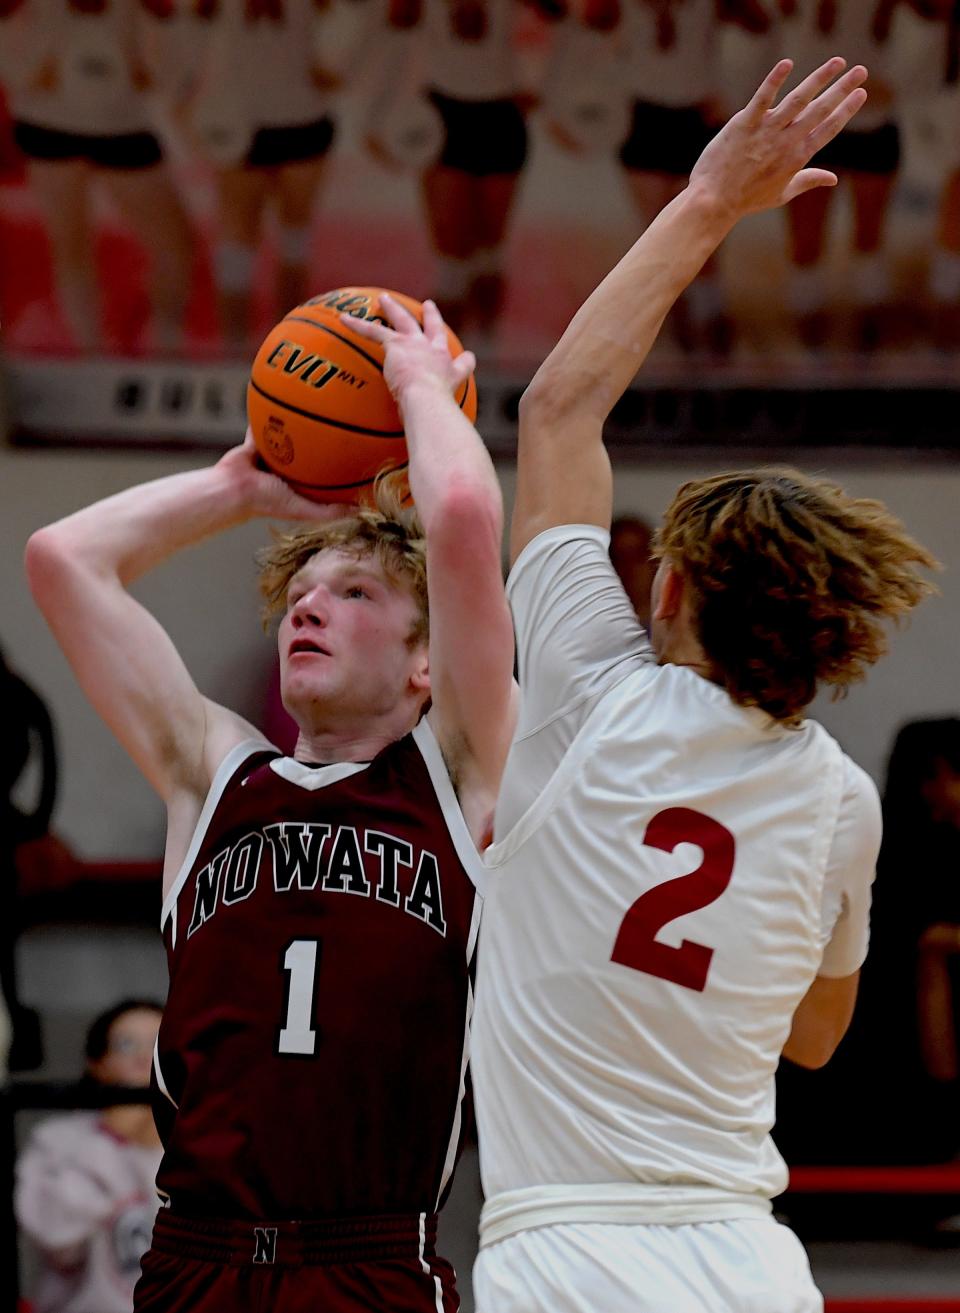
[(298, 1033), (637, 945)]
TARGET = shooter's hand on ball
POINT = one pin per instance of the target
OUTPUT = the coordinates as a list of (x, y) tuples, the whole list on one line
[(445, 449), (414, 355), (757, 160), (268, 495)]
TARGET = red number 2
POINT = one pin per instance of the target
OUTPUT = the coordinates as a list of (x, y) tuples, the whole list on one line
[(637, 945)]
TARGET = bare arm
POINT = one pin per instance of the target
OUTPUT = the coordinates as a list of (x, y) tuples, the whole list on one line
[(821, 1020), (755, 163), (458, 499), (79, 571)]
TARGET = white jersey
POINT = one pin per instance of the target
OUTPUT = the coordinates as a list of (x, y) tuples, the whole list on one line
[(259, 68), (676, 65), (850, 35), (482, 69), (669, 873), (90, 59)]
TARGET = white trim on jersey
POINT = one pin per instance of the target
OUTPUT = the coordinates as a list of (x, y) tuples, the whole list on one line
[(225, 771), (161, 1083), (426, 741), (425, 1265), (429, 748), (449, 1161), (315, 777)]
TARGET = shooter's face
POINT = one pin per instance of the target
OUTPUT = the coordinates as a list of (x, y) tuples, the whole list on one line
[(345, 640)]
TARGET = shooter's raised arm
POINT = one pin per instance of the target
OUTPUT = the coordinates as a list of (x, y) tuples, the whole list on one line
[(459, 502), (756, 162)]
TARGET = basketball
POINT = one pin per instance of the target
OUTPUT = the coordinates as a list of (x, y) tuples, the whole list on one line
[(321, 414)]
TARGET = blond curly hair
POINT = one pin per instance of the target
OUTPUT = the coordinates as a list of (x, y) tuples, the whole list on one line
[(792, 580), (390, 531)]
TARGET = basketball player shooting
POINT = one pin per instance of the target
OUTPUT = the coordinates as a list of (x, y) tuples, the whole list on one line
[(681, 867), (320, 911)]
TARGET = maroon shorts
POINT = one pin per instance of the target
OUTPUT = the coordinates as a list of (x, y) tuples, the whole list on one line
[(350, 1265)]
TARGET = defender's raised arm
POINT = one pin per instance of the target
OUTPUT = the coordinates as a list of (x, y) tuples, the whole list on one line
[(755, 162)]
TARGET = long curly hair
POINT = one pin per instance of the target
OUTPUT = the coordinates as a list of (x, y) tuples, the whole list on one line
[(792, 581), (391, 532)]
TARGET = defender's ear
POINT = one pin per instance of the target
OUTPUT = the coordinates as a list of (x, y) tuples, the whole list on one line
[(671, 590)]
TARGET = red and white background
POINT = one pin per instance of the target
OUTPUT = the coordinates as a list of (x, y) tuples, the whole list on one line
[(111, 288)]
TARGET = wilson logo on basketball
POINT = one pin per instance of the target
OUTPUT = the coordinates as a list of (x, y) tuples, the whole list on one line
[(349, 303)]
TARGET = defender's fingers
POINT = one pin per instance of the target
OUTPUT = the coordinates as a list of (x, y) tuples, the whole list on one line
[(800, 97), (367, 328), (769, 89), (837, 121), (828, 101)]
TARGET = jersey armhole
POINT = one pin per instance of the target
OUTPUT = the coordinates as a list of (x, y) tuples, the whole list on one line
[(429, 748), (225, 773)]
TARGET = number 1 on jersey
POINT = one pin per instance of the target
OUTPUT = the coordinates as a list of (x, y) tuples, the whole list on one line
[(298, 1034), (637, 945)]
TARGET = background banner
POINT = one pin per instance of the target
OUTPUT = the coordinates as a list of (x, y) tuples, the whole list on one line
[(175, 174)]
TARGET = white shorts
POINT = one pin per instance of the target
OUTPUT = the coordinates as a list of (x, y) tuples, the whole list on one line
[(751, 1265)]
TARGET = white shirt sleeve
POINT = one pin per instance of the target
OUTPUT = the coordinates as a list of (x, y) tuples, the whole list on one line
[(577, 634), (845, 912), (577, 637)]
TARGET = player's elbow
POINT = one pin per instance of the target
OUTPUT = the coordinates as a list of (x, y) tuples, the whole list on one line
[(544, 401), (821, 1020), (811, 1052), (47, 561)]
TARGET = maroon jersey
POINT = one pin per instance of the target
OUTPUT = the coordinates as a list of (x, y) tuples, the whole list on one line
[(312, 1054)]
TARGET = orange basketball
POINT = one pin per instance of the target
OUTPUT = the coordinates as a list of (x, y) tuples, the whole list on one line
[(319, 410)]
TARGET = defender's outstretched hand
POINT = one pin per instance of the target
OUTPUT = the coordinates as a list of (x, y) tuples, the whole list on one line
[(757, 160), (414, 354)]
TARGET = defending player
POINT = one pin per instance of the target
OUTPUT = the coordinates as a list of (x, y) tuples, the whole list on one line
[(320, 910), (680, 876)]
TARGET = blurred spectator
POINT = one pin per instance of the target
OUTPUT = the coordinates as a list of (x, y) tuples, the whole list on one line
[(917, 916), (28, 749), (944, 276), (474, 84), (583, 97), (672, 66), (85, 1181), (866, 154), (77, 79), (630, 540), (890, 1094), (258, 109)]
